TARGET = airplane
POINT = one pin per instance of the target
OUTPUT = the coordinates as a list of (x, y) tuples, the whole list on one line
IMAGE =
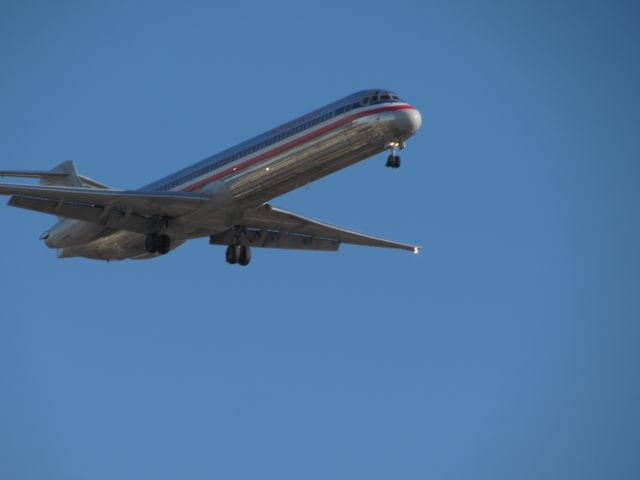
[(224, 197)]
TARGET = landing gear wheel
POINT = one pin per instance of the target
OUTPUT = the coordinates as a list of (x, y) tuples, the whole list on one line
[(393, 161), (233, 253), (245, 256), (160, 244), (239, 254), (163, 243), (151, 243)]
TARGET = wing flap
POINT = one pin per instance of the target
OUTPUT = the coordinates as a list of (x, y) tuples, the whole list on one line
[(271, 238), (268, 226), (86, 213), (170, 204)]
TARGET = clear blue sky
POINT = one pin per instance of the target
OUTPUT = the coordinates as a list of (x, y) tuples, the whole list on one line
[(508, 349)]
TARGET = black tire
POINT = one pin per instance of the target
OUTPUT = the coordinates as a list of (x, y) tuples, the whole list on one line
[(164, 244), (245, 256), (390, 161), (232, 254), (151, 243), (396, 163)]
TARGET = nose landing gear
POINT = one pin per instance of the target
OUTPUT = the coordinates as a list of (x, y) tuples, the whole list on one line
[(393, 160)]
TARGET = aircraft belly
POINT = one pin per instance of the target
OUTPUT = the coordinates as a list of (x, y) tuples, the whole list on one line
[(310, 161)]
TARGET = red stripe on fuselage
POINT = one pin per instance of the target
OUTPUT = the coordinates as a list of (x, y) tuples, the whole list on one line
[(294, 143)]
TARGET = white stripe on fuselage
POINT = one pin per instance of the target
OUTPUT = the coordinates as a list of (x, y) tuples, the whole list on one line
[(235, 165)]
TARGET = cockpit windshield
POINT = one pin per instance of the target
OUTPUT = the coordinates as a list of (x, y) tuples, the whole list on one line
[(379, 97)]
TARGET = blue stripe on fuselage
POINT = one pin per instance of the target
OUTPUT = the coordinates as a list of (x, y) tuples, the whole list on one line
[(276, 135)]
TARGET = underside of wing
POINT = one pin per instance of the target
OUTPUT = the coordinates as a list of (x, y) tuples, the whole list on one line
[(268, 226), (98, 204)]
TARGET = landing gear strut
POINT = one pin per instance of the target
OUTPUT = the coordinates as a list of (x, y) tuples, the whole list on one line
[(393, 160), (160, 244), (239, 254)]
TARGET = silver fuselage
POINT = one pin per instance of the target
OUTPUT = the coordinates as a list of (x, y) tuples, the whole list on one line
[(254, 172)]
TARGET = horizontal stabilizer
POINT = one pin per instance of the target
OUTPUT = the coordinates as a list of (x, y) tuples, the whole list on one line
[(64, 174), (32, 174)]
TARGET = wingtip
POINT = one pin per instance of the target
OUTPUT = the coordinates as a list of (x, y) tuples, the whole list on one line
[(417, 250)]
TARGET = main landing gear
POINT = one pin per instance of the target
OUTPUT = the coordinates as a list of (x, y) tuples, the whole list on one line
[(239, 254), (393, 160), (160, 244)]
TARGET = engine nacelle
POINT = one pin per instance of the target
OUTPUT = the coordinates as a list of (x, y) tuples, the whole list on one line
[(70, 233)]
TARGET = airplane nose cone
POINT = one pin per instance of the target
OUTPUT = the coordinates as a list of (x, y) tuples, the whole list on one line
[(408, 121)]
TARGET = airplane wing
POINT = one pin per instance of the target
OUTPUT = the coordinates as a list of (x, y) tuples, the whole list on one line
[(269, 226), (95, 204)]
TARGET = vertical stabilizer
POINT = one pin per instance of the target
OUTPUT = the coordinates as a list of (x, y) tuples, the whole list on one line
[(71, 179)]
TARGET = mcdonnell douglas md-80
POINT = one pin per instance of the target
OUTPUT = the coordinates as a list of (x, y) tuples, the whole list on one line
[(223, 197)]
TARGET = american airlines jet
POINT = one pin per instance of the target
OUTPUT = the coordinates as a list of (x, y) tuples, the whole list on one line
[(223, 197)]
